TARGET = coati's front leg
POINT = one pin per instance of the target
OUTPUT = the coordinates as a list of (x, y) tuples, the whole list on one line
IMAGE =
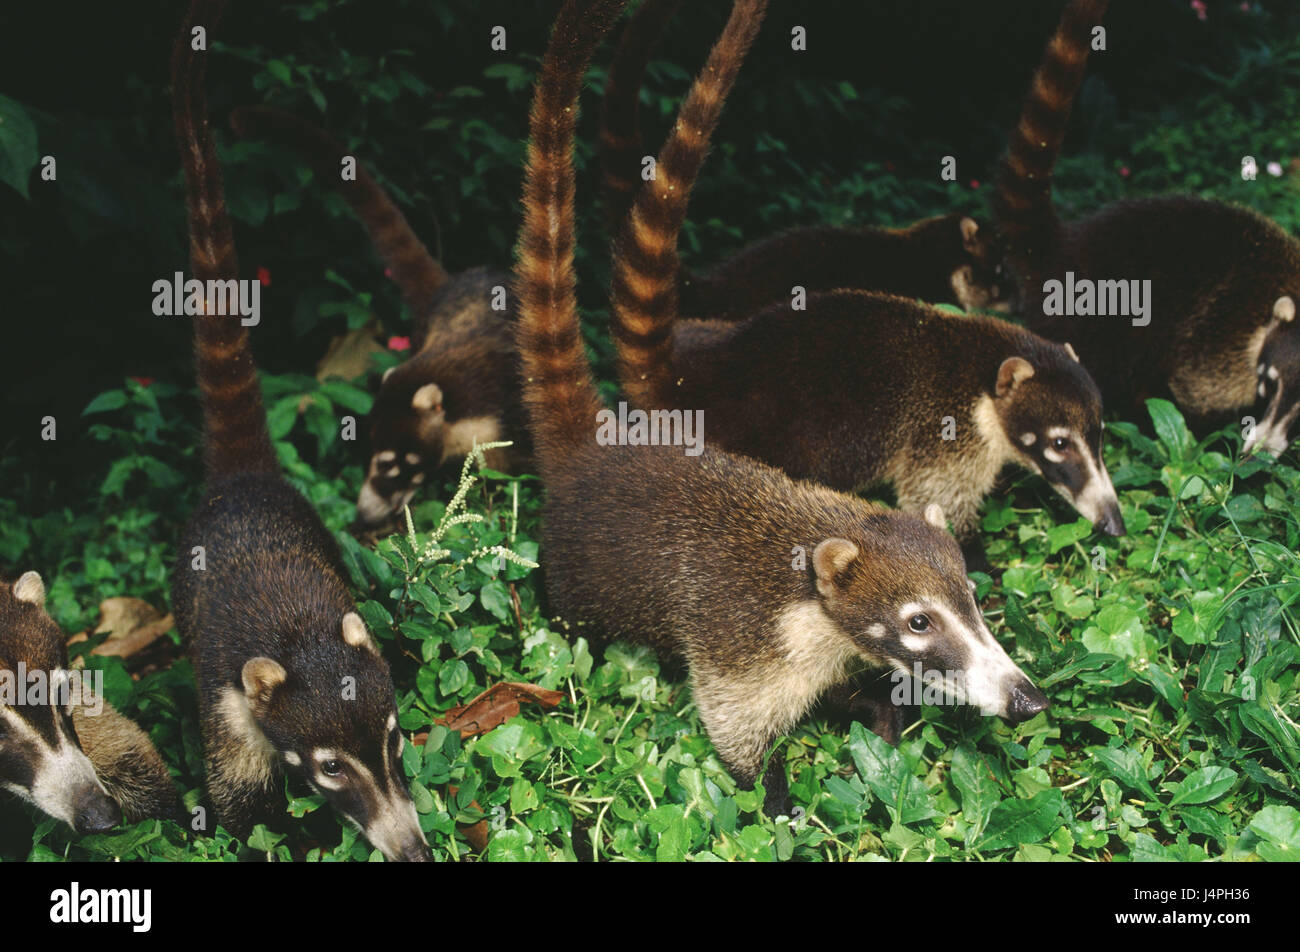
[(243, 779), (868, 699)]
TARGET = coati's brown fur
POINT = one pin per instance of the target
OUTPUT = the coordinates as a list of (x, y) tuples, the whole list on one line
[(859, 389), (287, 674), (945, 259), (771, 590), (1224, 279), (463, 363), (121, 775)]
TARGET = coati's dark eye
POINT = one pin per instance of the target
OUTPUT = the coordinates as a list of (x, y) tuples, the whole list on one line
[(1060, 443), (331, 768), (919, 623)]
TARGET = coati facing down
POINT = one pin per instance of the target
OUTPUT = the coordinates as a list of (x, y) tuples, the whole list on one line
[(1219, 335), (81, 761), (772, 590), (945, 259), (287, 674), (860, 388), (460, 383)]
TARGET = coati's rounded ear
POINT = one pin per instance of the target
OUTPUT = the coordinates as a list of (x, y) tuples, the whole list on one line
[(830, 558), (934, 515), (1070, 350), (387, 373), (1284, 309), (428, 397), (969, 229), (261, 677), (29, 588), (1013, 371), (355, 634)]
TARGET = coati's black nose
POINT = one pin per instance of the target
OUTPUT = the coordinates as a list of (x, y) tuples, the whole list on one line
[(416, 851), (1026, 701), (96, 813), (1111, 522)]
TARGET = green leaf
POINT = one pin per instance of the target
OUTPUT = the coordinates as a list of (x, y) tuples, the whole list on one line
[(18, 150), (887, 773), (1204, 785), (1278, 827), (974, 781), (1014, 822), (1170, 428), (108, 400), (1125, 766)]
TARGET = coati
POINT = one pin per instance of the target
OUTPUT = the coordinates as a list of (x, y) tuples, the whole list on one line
[(71, 755), (945, 259), (860, 388), (1218, 335), (460, 383), (771, 590), (288, 676)]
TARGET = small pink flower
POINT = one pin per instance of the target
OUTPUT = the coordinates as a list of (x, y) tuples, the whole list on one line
[(1123, 171), (388, 272), (143, 381), (1274, 169), (1245, 7), (264, 277), (399, 343), (974, 183), (1199, 7)]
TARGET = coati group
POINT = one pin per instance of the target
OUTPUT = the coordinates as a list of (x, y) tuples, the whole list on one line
[(752, 561)]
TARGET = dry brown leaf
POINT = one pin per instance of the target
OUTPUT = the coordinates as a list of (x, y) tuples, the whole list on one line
[(134, 625), (349, 354), (495, 706)]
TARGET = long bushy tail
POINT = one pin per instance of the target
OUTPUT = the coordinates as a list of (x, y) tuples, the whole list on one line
[(417, 273), (1023, 202), (234, 420), (644, 291), (620, 122), (559, 392)]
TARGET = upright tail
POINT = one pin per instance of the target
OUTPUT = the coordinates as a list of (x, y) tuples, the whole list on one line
[(644, 287), (1023, 202), (620, 122), (559, 392), (235, 438), (417, 273)]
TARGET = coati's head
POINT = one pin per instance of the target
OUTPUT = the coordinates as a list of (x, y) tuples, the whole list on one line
[(407, 428), (1277, 404), (900, 591), (978, 282), (41, 759), (1050, 411), (333, 722)]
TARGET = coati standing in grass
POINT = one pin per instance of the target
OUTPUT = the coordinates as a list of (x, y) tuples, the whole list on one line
[(460, 383), (773, 591), (945, 259), (72, 756), (1218, 334), (287, 674), (861, 388)]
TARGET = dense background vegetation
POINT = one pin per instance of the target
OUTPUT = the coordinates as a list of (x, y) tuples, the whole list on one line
[(1170, 655)]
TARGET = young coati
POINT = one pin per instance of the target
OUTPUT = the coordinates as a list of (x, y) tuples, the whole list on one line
[(1197, 297), (69, 753), (771, 590), (860, 388), (945, 259), (460, 383), (287, 674)]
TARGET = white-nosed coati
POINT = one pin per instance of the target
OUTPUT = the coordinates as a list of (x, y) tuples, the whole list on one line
[(287, 674), (68, 753), (771, 590), (1218, 334), (460, 384), (860, 388), (945, 259)]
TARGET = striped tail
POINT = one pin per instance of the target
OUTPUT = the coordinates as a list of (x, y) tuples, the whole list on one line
[(1023, 203), (620, 122), (235, 438), (559, 392), (644, 285), (417, 273)]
